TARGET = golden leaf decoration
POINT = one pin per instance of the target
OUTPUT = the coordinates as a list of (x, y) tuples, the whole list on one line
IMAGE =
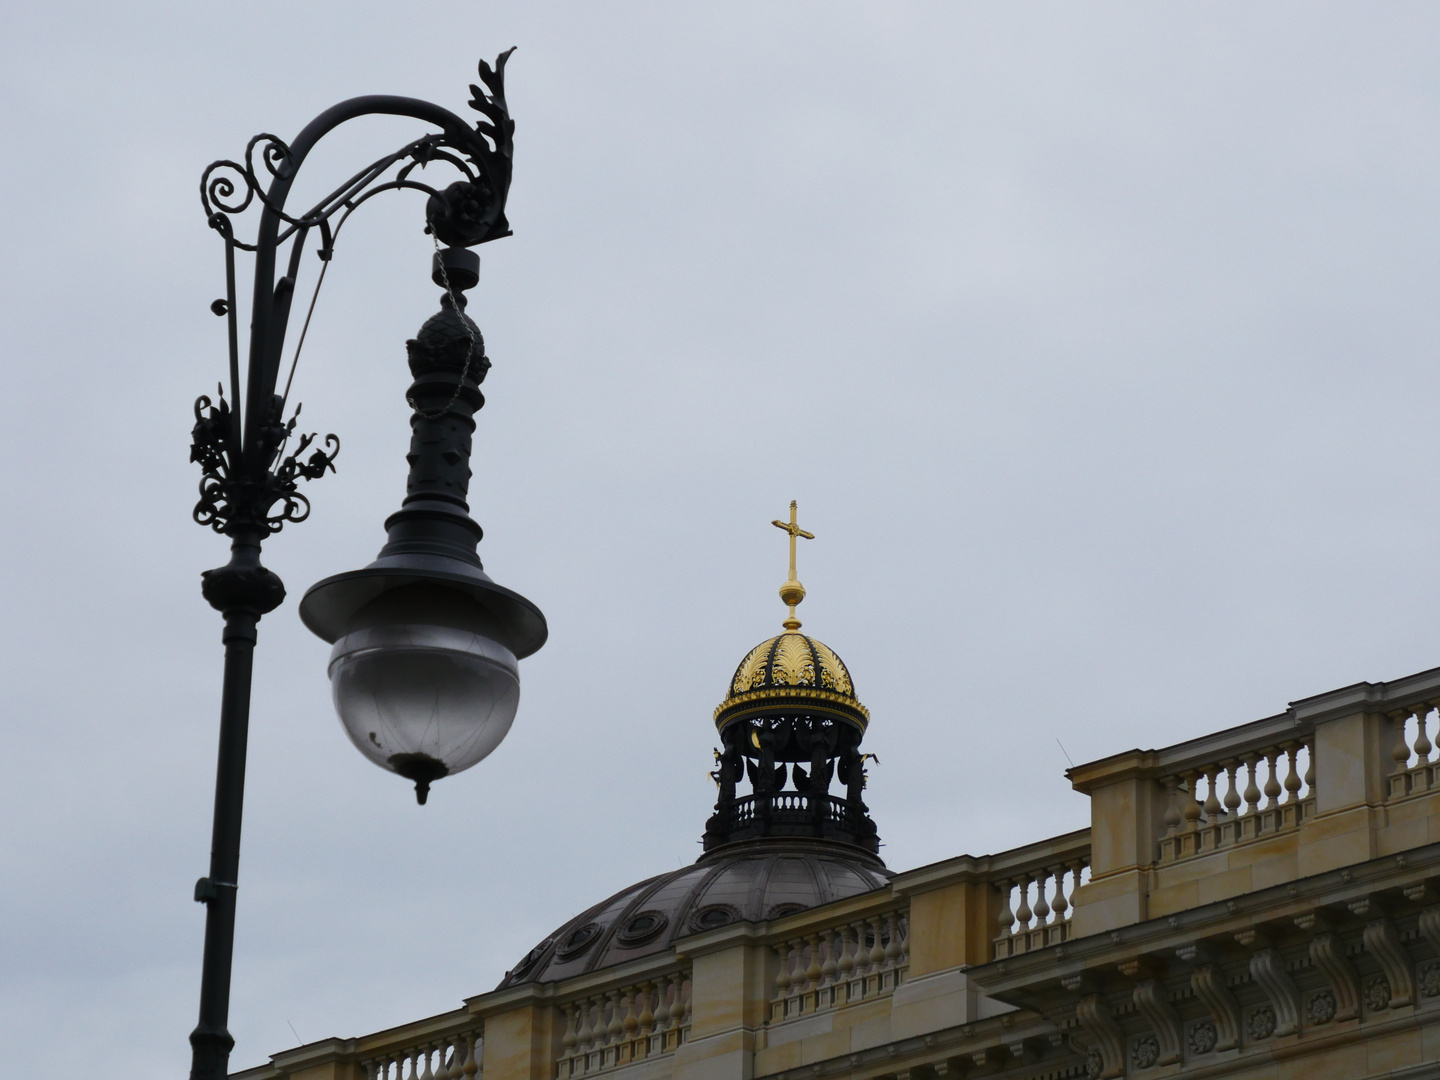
[(833, 673), (794, 665), (751, 672)]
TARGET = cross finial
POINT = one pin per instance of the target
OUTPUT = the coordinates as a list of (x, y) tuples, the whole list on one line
[(792, 592)]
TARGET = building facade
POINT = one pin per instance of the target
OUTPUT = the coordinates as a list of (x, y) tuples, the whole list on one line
[(1261, 902)]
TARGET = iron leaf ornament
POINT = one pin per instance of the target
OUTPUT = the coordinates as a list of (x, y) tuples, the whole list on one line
[(472, 211)]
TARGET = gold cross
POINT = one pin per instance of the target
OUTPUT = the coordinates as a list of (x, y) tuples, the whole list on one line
[(792, 592)]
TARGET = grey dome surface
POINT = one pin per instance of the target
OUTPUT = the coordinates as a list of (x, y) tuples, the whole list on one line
[(749, 883)]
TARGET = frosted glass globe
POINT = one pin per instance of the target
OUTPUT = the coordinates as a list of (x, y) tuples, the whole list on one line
[(422, 686)]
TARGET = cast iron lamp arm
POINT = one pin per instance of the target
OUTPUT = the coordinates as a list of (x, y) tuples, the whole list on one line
[(270, 311)]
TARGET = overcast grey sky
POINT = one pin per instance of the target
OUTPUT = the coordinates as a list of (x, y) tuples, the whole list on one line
[(1097, 343)]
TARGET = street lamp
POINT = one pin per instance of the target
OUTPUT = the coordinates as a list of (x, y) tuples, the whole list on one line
[(424, 669)]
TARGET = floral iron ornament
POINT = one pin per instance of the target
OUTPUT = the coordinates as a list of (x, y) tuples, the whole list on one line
[(251, 458)]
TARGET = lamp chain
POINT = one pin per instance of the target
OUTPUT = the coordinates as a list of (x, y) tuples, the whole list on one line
[(470, 333)]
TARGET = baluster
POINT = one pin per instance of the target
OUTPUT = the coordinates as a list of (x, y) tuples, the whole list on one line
[(1292, 772), (571, 1036), (1422, 740), (583, 1030), (1401, 752), (1232, 789), (411, 1058), (429, 1073), (1060, 905), (1077, 868), (598, 1033), (1310, 767), (1172, 804), (1042, 906), (1022, 913), (616, 1027), (1272, 783), (647, 1013), (1213, 809), (631, 1023), (450, 1051), (861, 954), (812, 972), (662, 1007), (782, 980), (1191, 805), (1007, 917), (892, 947), (829, 967), (797, 965), (847, 955), (469, 1067), (1252, 792), (682, 1003)]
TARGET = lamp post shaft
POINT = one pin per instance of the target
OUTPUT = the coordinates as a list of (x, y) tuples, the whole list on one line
[(242, 590), (211, 1040)]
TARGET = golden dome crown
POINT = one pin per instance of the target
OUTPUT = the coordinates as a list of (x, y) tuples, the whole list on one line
[(792, 671)]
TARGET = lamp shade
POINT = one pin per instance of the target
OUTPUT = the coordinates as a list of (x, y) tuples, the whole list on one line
[(425, 682)]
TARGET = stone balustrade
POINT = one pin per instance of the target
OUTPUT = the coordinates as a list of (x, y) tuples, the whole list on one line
[(450, 1046), (450, 1057), (1029, 921), (1254, 785), (624, 1025), (859, 959)]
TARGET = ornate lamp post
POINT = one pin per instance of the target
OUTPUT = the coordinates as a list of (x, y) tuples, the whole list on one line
[(424, 668)]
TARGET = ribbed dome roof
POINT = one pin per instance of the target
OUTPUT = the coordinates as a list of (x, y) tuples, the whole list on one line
[(739, 885), (792, 669)]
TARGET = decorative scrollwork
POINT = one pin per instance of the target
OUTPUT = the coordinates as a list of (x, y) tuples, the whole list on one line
[(254, 486), (227, 499), (467, 212)]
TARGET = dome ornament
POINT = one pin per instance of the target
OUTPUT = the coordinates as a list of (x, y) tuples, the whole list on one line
[(792, 592)]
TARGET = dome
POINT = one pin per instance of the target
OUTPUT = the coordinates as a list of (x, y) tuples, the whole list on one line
[(792, 670), (764, 882)]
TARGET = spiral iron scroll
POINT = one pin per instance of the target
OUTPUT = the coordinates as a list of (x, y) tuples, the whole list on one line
[(468, 212)]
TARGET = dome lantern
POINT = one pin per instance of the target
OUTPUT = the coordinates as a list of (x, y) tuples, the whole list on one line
[(791, 724)]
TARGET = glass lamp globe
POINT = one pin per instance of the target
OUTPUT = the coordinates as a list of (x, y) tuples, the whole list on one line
[(425, 682)]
